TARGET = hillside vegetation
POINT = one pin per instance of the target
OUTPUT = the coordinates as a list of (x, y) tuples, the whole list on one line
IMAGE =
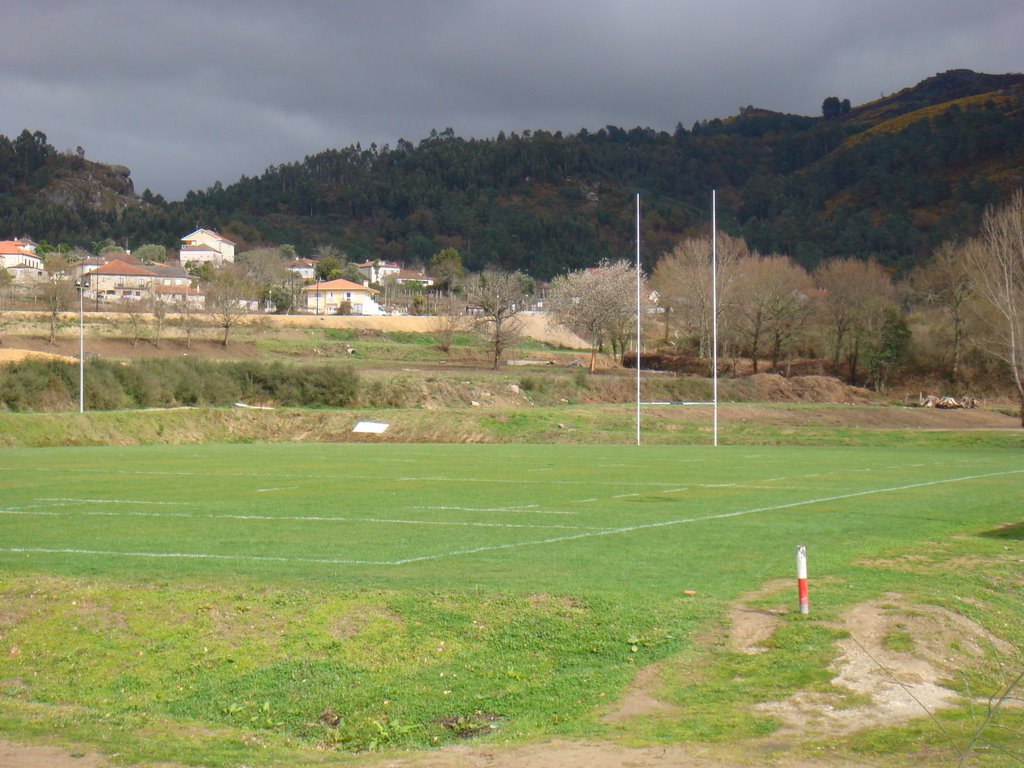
[(889, 179)]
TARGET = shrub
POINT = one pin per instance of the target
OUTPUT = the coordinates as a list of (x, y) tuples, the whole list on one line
[(53, 385), (532, 383), (28, 384)]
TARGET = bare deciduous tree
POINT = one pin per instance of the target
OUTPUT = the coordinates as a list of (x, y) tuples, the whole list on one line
[(771, 305), (684, 282), (159, 309), (946, 282), (498, 298), (5, 283), (227, 297), (133, 310), (858, 296), (188, 319), (266, 269), (449, 322), (996, 257), (58, 292), (597, 305)]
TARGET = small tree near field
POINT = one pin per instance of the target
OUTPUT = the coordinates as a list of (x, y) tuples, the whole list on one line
[(159, 310), (598, 305), (133, 309), (5, 283), (188, 319), (498, 298), (58, 291), (449, 322), (227, 296)]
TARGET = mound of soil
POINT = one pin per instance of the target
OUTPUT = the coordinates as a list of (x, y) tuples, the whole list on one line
[(17, 355), (773, 388)]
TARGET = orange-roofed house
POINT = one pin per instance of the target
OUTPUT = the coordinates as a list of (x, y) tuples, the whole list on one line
[(119, 281), (15, 253), (344, 295), (204, 246)]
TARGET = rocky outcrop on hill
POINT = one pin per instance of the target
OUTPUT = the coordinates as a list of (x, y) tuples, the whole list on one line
[(95, 187)]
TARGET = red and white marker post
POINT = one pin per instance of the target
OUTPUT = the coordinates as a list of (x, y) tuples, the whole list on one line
[(801, 577)]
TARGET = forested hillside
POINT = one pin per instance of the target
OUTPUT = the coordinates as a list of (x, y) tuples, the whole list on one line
[(889, 179)]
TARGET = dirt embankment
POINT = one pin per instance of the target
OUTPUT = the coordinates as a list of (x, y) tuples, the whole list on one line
[(535, 325)]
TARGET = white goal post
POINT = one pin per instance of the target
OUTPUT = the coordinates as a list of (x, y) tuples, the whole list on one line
[(714, 327)]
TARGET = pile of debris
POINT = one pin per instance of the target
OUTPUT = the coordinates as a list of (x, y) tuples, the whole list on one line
[(946, 401)]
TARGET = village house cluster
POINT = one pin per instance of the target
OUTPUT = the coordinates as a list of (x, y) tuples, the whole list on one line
[(119, 278)]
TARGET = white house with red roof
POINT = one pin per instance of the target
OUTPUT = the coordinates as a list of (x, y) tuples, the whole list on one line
[(414, 277), (327, 298), (376, 271), (204, 246), (18, 253), (303, 269)]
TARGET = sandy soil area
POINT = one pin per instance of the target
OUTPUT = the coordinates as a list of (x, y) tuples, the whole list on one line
[(535, 326), (14, 355)]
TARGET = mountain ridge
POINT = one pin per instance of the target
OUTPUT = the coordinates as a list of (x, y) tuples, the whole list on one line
[(888, 179)]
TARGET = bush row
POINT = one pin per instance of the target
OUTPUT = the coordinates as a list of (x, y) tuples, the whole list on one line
[(46, 385)]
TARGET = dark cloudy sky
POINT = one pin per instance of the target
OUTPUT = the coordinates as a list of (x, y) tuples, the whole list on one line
[(188, 92)]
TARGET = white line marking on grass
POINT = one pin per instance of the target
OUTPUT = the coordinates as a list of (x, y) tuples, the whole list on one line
[(303, 518), (530, 509), (520, 481), (195, 556), (114, 501), (279, 488), (497, 547), (722, 516), (484, 525), (518, 508), (625, 495), (368, 478)]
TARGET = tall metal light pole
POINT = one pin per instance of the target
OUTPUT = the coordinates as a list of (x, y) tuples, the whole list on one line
[(81, 345)]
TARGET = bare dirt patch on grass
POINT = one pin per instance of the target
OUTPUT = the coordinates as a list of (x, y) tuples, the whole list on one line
[(895, 659), (752, 626), (24, 756)]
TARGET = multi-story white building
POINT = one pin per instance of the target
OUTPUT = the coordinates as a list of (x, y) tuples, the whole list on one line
[(376, 271), (204, 246)]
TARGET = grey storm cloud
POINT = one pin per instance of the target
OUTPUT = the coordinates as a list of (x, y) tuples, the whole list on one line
[(187, 92)]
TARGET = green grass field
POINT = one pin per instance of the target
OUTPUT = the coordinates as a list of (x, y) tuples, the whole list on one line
[(270, 604)]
